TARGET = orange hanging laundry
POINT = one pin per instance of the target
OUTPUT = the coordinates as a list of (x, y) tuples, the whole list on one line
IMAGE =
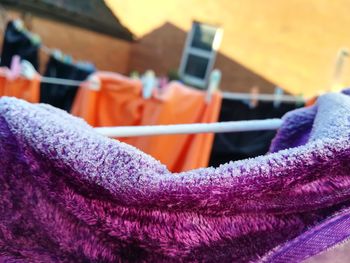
[(3, 74), (22, 88), (119, 103)]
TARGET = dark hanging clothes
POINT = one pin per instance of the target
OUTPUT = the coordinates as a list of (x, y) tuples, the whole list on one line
[(62, 96), (18, 43), (241, 145)]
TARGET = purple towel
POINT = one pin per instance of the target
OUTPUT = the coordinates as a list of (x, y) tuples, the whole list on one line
[(71, 195)]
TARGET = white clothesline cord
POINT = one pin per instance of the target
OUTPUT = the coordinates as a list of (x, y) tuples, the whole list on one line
[(66, 82), (218, 127), (225, 95), (261, 97), (28, 70)]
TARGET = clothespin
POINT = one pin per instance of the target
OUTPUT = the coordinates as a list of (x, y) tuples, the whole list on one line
[(94, 82), (134, 75), (148, 83), (27, 69), (162, 82), (15, 68), (23, 26), (254, 99), (67, 59), (336, 84), (214, 82), (57, 54), (300, 101), (36, 40), (18, 23), (278, 96)]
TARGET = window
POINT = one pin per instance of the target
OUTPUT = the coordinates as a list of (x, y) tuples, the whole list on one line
[(199, 54)]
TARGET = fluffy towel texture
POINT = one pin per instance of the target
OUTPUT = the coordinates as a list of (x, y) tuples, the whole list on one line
[(71, 195)]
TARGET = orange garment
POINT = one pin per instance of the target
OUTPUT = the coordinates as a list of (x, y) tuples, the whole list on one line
[(311, 101), (3, 73), (119, 103), (26, 89)]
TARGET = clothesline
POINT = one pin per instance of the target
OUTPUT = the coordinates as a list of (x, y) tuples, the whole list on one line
[(66, 82), (261, 97), (218, 127), (226, 95)]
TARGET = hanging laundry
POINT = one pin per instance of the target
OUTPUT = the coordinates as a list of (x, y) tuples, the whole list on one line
[(62, 96), (241, 145), (20, 87), (96, 199), (18, 42), (119, 102)]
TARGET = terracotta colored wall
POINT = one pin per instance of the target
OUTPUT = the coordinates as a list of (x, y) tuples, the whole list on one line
[(106, 52), (161, 51), (292, 43)]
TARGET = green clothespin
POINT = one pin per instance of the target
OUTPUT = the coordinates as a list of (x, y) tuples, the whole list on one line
[(68, 59), (57, 54), (300, 101), (135, 75), (35, 39)]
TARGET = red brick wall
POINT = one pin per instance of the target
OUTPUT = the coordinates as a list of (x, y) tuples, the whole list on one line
[(291, 43), (161, 51), (107, 53)]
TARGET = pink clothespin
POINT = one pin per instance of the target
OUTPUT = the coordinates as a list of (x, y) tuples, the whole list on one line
[(254, 99), (15, 69)]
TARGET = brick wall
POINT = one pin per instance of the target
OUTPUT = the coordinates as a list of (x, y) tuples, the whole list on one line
[(161, 51), (290, 43), (107, 53)]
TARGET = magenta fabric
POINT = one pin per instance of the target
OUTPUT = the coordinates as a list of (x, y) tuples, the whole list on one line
[(69, 194)]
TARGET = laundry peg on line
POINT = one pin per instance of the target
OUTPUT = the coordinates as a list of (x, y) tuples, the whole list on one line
[(27, 70), (214, 82), (134, 75), (148, 83), (278, 96), (93, 82), (336, 84), (254, 97), (15, 68), (300, 101)]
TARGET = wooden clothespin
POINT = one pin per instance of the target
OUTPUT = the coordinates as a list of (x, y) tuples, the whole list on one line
[(214, 82), (278, 96), (254, 99)]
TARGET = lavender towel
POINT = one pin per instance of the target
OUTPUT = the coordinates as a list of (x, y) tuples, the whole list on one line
[(71, 195)]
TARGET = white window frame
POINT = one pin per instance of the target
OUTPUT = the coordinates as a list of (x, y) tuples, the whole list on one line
[(211, 55)]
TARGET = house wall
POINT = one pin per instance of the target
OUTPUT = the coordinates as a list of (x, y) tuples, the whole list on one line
[(107, 53), (292, 43)]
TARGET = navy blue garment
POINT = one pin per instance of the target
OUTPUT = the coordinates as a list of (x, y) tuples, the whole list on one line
[(62, 96), (241, 145), (18, 43)]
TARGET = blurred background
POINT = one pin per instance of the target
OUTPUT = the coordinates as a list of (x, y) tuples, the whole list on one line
[(297, 45)]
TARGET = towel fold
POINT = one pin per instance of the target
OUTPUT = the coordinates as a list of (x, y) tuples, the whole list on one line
[(69, 194)]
